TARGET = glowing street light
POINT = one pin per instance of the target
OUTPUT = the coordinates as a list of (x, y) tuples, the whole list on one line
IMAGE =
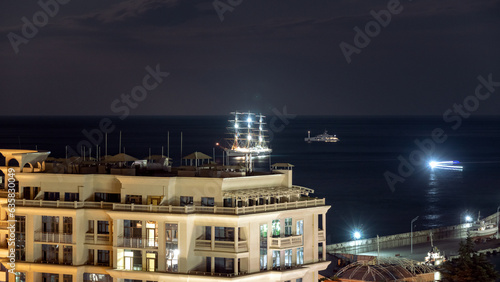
[(433, 164), (468, 218), (356, 235)]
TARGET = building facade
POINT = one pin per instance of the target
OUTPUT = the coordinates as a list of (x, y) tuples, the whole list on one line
[(103, 227)]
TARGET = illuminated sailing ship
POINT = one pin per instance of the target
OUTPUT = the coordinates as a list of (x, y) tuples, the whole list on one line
[(247, 135)]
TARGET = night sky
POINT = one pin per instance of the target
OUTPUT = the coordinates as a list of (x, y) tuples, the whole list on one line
[(86, 57)]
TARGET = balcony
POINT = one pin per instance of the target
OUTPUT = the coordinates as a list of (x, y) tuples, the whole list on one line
[(321, 235), (222, 246), (137, 242), (49, 237), (172, 209), (286, 242), (98, 239)]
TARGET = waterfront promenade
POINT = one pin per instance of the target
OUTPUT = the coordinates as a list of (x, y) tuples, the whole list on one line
[(448, 247)]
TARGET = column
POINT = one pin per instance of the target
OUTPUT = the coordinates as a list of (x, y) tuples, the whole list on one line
[(236, 240)]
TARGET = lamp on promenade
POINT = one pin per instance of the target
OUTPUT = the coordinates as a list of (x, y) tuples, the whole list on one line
[(356, 235), (411, 233)]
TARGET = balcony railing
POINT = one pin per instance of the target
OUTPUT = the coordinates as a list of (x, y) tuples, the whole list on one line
[(223, 246), (98, 239), (286, 242), (137, 242), (321, 235), (50, 237), (172, 209)]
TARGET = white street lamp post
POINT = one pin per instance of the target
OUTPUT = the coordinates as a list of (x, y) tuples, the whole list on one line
[(411, 233)]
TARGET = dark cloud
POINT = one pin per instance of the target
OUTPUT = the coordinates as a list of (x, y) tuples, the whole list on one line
[(284, 52)]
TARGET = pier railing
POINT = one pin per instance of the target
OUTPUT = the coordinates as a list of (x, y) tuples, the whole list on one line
[(404, 239)]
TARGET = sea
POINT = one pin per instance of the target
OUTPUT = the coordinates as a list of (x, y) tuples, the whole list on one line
[(354, 174)]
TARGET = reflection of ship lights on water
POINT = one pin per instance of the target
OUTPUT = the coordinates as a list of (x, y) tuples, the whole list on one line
[(447, 165)]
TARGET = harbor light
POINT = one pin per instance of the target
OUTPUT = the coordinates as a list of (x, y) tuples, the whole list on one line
[(357, 235), (235, 125), (468, 218), (249, 120), (433, 164)]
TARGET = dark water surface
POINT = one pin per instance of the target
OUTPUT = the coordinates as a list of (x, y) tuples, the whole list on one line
[(349, 174)]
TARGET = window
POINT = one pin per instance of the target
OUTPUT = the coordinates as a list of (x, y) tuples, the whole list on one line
[(172, 249), (50, 277), (263, 236), (133, 199), (276, 228), (103, 257), (224, 233), (68, 225), (50, 253), (207, 201), (50, 224), (132, 259), (298, 280), (288, 258), (263, 247), (228, 202), (102, 227), (320, 221), (300, 256), (276, 259), (224, 265), (288, 226), (263, 259), (51, 196), (20, 277), (94, 277), (90, 258), (67, 254), (70, 197), (152, 233), (186, 201), (299, 228), (320, 251), (132, 229), (20, 235), (107, 197), (90, 228), (68, 278), (151, 261)]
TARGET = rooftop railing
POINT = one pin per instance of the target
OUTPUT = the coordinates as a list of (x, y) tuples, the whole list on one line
[(172, 209)]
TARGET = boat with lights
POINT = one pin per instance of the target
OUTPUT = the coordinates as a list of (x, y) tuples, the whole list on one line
[(325, 137), (482, 230), (248, 137)]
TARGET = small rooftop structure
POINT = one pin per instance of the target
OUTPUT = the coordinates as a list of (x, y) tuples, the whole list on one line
[(282, 165), (26, 157)]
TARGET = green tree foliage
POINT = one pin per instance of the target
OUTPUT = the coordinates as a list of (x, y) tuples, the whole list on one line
[(469, 267)]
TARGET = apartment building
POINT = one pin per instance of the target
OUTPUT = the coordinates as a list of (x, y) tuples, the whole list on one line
[(105, 227)]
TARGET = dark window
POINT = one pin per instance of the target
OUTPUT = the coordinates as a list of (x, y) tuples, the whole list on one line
[(68, 225), (228, 202), (320, 251), (132, 229), (133, 199), (224, 265), (51, 196), (103, 257), (70, 197), (102, 227), (224, 233), (207, 201), (107, 197), (50, 224), (208, 232), (320, 221), (186, 201)]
